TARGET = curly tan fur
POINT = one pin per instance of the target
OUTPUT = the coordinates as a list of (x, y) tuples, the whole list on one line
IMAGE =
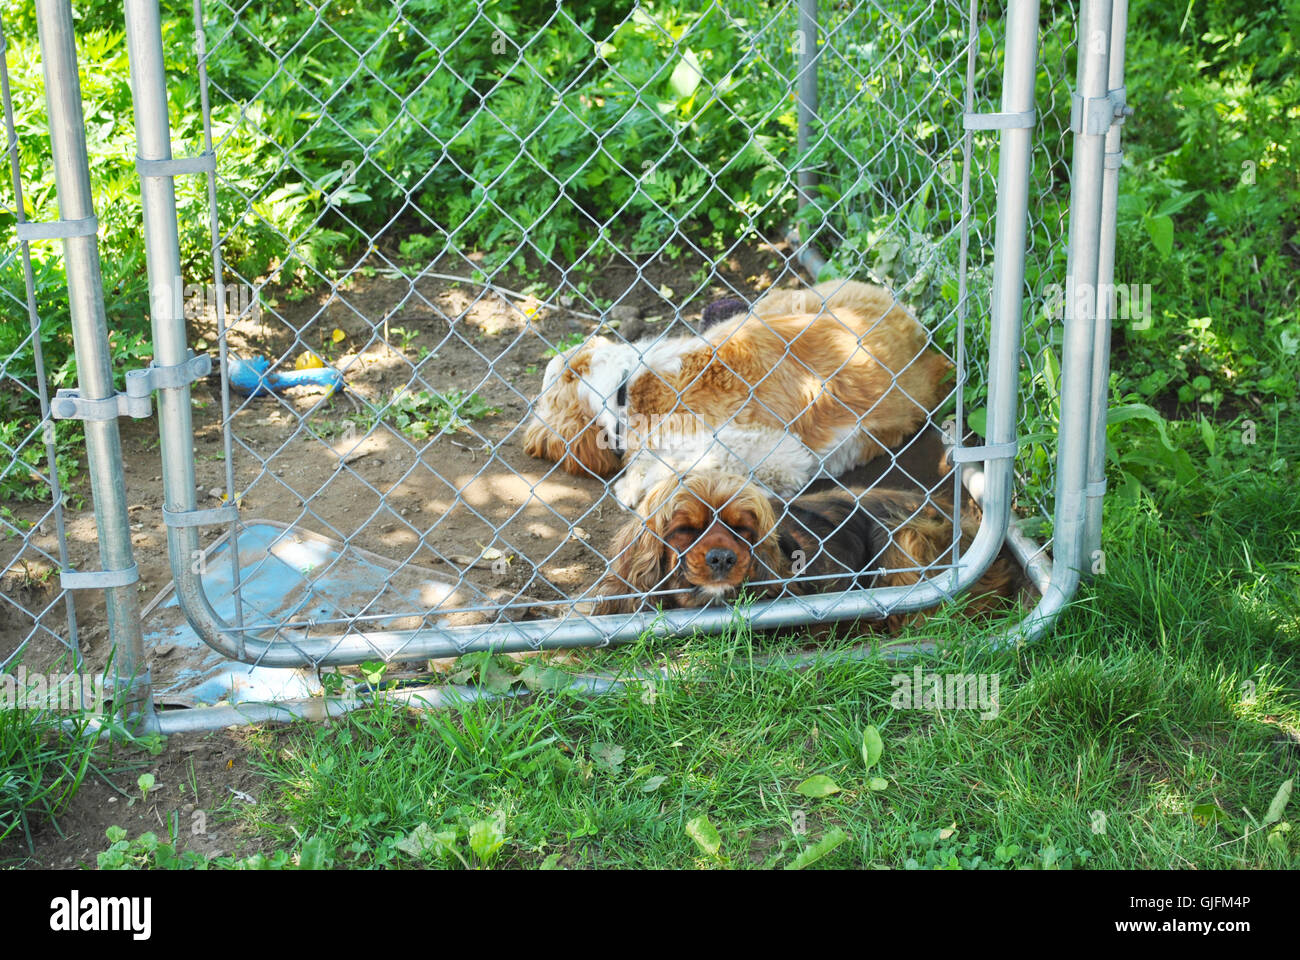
[(790, 365)]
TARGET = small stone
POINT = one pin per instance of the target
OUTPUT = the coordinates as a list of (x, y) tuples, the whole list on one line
[(623, 312)]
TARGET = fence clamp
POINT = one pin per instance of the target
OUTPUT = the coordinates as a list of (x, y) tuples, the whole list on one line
[(1095, 115), (990, 451), (226, 513), (142, 382), (71, 405), (57, 229), (999, 121), (98, 579), (205, 162)]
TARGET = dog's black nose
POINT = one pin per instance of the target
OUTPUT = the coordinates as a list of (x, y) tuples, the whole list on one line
[(720, 560)]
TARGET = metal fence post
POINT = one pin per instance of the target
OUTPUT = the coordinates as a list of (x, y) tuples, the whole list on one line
[(132, 697), (808, 51), (167, 314), (807, 48), (1092, 114), (1106, 298)]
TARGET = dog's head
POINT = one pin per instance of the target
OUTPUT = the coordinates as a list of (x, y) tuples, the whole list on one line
[(701, 537), (573, 415)]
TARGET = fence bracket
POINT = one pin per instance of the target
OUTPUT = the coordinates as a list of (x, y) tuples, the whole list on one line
[(99, 579), (57, 229), (226, 513), (205, 162), (1094, 115), (71, 405), (142, 382), (991, 451), (999, 121)]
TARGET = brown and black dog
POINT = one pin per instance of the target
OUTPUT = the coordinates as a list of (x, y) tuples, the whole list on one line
[(706, 535)]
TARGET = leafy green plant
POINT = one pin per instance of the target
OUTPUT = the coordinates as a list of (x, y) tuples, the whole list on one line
[(148, 852), (426, 414)]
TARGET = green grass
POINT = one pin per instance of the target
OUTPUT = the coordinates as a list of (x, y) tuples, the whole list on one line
[(1168, 686), (41, 768)]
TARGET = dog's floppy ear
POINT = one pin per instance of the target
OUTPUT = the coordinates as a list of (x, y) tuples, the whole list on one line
[(591, 451), (773, 564), (639, 562)]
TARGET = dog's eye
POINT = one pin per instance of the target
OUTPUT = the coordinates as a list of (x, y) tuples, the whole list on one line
[(692, 532), (745, 533)]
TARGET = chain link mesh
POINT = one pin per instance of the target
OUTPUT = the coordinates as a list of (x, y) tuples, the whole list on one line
[(38, 619), (433, 201)]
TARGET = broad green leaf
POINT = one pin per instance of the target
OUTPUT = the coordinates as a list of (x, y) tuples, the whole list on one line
[(423, 841), (653, 784), (610, 756), (817, 786), (705, 834), (1143, 411), (1280, 800), (1161, 230), (486, 837), (316, 854), (1204, 814), (495, 677), (814, 852), (686, 76), (872, 746), (1277, 837), (878, 784), (538, 677)]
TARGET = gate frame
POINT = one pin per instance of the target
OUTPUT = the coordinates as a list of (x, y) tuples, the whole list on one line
[(1098, 111)]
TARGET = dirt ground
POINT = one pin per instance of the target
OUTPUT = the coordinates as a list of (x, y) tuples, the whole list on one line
[(201, 781), (454, 503)]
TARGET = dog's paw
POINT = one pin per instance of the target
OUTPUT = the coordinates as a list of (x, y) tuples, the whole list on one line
[(629, 489)]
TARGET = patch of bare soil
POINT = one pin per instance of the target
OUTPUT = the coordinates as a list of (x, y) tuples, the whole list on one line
[(454, 501), (200, 781)]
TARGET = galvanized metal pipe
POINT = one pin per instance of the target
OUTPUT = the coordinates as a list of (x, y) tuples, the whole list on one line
[(54, 23), (1074, 434), (162, 260), (1105, 291), (807, 113), (1014, 164)]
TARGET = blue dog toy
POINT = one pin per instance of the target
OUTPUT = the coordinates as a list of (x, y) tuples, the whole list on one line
[(253, 377)]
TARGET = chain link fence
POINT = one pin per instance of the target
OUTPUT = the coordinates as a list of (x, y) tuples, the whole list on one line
[(390, 226)]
